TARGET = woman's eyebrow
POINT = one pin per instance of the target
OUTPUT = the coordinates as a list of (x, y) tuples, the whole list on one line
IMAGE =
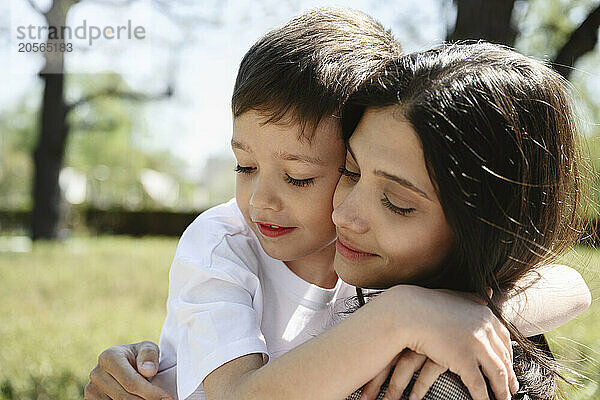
[(402, 181), (284, 155)]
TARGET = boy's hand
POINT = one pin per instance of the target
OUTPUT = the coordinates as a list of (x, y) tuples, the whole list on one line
[(406, 364), (373, 387), (460, 335), (122, 371)]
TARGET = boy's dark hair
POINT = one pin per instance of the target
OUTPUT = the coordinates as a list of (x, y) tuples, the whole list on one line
[(305, 70)]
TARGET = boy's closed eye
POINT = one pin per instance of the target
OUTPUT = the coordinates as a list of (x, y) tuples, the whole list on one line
[(244, 170), (298, 182), (286, 176)]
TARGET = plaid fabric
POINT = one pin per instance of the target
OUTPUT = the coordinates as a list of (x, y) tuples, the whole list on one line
[(447, 387)]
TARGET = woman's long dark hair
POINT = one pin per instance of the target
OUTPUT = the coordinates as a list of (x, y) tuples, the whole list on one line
[(498, 135)]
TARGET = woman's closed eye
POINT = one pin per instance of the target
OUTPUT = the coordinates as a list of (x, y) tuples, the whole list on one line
[(395, 209), (353, 176)]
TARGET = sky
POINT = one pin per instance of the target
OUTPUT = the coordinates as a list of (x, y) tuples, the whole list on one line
[(200, 61)]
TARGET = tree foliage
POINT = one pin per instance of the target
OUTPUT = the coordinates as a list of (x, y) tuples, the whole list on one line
[(97, 134), (102, 146)]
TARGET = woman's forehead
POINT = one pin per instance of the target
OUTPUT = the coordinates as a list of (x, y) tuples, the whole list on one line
[(384, 143)]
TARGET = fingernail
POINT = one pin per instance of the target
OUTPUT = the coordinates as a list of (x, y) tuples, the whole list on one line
[(413, 397), (515, 387), (148, 365)]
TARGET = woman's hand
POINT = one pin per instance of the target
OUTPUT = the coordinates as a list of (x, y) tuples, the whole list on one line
[(122, 371), (458, 334)]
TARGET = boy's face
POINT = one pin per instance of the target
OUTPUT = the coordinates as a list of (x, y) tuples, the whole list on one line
[(285, 187)]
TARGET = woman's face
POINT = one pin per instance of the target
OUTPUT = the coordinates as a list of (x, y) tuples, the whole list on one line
[(390, 224)]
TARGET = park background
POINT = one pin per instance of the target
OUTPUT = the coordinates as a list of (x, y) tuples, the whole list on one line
[(107, 154)]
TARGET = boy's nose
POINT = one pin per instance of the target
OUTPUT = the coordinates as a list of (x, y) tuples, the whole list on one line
[(264, 197)]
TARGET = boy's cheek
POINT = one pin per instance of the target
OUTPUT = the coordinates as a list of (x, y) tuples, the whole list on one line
[(242, 199)]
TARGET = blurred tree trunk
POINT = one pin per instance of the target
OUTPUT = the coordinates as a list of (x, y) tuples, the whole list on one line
[(50, 149), (48, 159), (484, 19), (581, 41), (54, 129), (491, 20)]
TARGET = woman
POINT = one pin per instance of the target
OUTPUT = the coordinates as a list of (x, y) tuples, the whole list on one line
[(462, 173)]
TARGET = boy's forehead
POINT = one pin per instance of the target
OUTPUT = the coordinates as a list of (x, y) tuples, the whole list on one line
[(304, 133), (285, 140)]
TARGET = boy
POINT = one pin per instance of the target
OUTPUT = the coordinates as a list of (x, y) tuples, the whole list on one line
[(255, 276)]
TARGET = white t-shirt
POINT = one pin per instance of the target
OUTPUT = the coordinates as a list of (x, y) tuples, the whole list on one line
[(228, 298)]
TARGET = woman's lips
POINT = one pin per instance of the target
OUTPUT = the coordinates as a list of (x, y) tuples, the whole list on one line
[(271, 230), (349, 252)]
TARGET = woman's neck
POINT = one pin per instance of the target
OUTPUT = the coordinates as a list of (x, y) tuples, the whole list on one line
[(316, 268)]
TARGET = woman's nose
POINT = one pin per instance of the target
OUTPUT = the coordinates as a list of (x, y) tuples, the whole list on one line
[(347, 215), (264, 196)]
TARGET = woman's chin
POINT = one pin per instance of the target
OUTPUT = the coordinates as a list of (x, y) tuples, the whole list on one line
[(373, 275), (355, 274)]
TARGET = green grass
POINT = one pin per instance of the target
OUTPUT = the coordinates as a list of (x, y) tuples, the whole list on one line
[(577, 343), (62, 304)]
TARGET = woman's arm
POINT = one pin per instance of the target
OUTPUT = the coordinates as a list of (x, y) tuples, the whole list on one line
[(343, 358), (545, 299)]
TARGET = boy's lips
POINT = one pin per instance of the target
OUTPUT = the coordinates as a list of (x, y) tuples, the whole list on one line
[(272, 230), (349, 250)]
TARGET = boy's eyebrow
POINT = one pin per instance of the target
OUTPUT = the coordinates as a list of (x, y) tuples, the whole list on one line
[(284, 155), (239, 145), (281, 155), (402, 181)]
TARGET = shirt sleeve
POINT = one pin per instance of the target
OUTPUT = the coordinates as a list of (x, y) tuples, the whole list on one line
[(215, 305)]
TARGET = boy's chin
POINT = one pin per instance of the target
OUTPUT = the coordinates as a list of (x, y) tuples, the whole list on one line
[(289, 250), (285, 254), (278, 252)]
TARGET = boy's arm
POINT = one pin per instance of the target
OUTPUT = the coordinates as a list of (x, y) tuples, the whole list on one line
[(550, 296), (226, 294), (448, 328)]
